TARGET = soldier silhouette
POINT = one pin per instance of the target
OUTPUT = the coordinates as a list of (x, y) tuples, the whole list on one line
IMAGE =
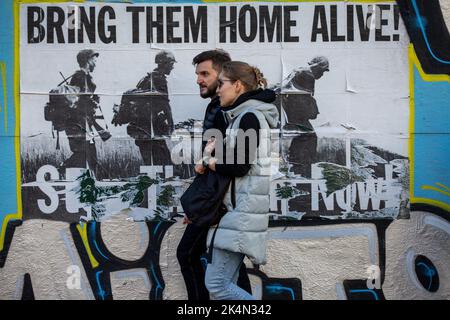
[(81, 119), (299, 107), (147, 111)]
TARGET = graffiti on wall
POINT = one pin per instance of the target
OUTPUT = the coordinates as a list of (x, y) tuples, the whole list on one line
[(359, 260)]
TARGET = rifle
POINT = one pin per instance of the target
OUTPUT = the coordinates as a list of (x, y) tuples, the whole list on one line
[(103, 133), (64, 78)]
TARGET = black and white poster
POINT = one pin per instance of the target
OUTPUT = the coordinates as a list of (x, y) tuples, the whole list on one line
[(111, 116)]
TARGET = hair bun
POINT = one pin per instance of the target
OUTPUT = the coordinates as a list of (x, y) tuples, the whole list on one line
[(260, 80)]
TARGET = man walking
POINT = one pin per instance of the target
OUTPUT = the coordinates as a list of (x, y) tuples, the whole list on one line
[(208, 66)]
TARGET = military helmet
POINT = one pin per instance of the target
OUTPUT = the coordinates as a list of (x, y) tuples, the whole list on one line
[(320, 61), (84, 55), (164, 57)]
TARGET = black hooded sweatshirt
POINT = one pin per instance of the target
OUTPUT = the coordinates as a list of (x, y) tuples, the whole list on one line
[(248, 121)]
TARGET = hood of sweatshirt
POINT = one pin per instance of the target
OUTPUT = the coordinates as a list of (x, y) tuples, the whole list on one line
[(260, 100)]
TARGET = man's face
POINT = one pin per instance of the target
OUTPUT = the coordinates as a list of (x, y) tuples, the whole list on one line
[(91, 63), (206, 79)]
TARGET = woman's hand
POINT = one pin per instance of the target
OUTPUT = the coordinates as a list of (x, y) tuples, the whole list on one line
[(210, 146), (199, 168), (186, 220), (201, 165)]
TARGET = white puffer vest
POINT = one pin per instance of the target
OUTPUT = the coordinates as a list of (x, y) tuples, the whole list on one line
[(244, 228)]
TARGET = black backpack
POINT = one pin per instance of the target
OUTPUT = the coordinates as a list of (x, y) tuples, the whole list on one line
[(131, 105), (202, 202)]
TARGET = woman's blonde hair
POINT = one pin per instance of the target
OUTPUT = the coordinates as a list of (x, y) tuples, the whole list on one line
[(251, 77)]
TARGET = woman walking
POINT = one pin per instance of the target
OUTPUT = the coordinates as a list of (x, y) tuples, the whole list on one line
[(248, 111)]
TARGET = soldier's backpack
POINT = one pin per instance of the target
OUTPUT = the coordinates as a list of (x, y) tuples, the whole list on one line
[(62, 102), (130, 104), (135, 102)]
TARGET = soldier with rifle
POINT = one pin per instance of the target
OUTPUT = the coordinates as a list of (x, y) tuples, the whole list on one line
[(82, 120)]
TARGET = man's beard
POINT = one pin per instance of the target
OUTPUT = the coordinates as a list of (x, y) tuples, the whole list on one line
[(211, 91)]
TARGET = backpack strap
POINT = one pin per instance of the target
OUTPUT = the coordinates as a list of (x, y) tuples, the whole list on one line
[(233, 192), (57, 140), (211, 246), (233, 201)]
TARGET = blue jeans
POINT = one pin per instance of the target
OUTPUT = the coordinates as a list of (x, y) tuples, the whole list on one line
[(222, 274)]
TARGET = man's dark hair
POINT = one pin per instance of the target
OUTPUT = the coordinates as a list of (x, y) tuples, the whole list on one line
[(218, 57)]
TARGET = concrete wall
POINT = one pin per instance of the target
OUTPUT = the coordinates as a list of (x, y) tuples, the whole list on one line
[(311, 262)]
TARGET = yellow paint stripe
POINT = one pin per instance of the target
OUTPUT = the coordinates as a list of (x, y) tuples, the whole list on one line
[(442, 186), (316, 1), (426, 187), (17, 108), (18, 215), (435, 203), (6, 221), (47, 1), (411, 55), (5, 92), (83, 234), (423, 75)]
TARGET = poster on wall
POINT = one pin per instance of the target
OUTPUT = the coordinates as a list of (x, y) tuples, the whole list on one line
[(111, 115)]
